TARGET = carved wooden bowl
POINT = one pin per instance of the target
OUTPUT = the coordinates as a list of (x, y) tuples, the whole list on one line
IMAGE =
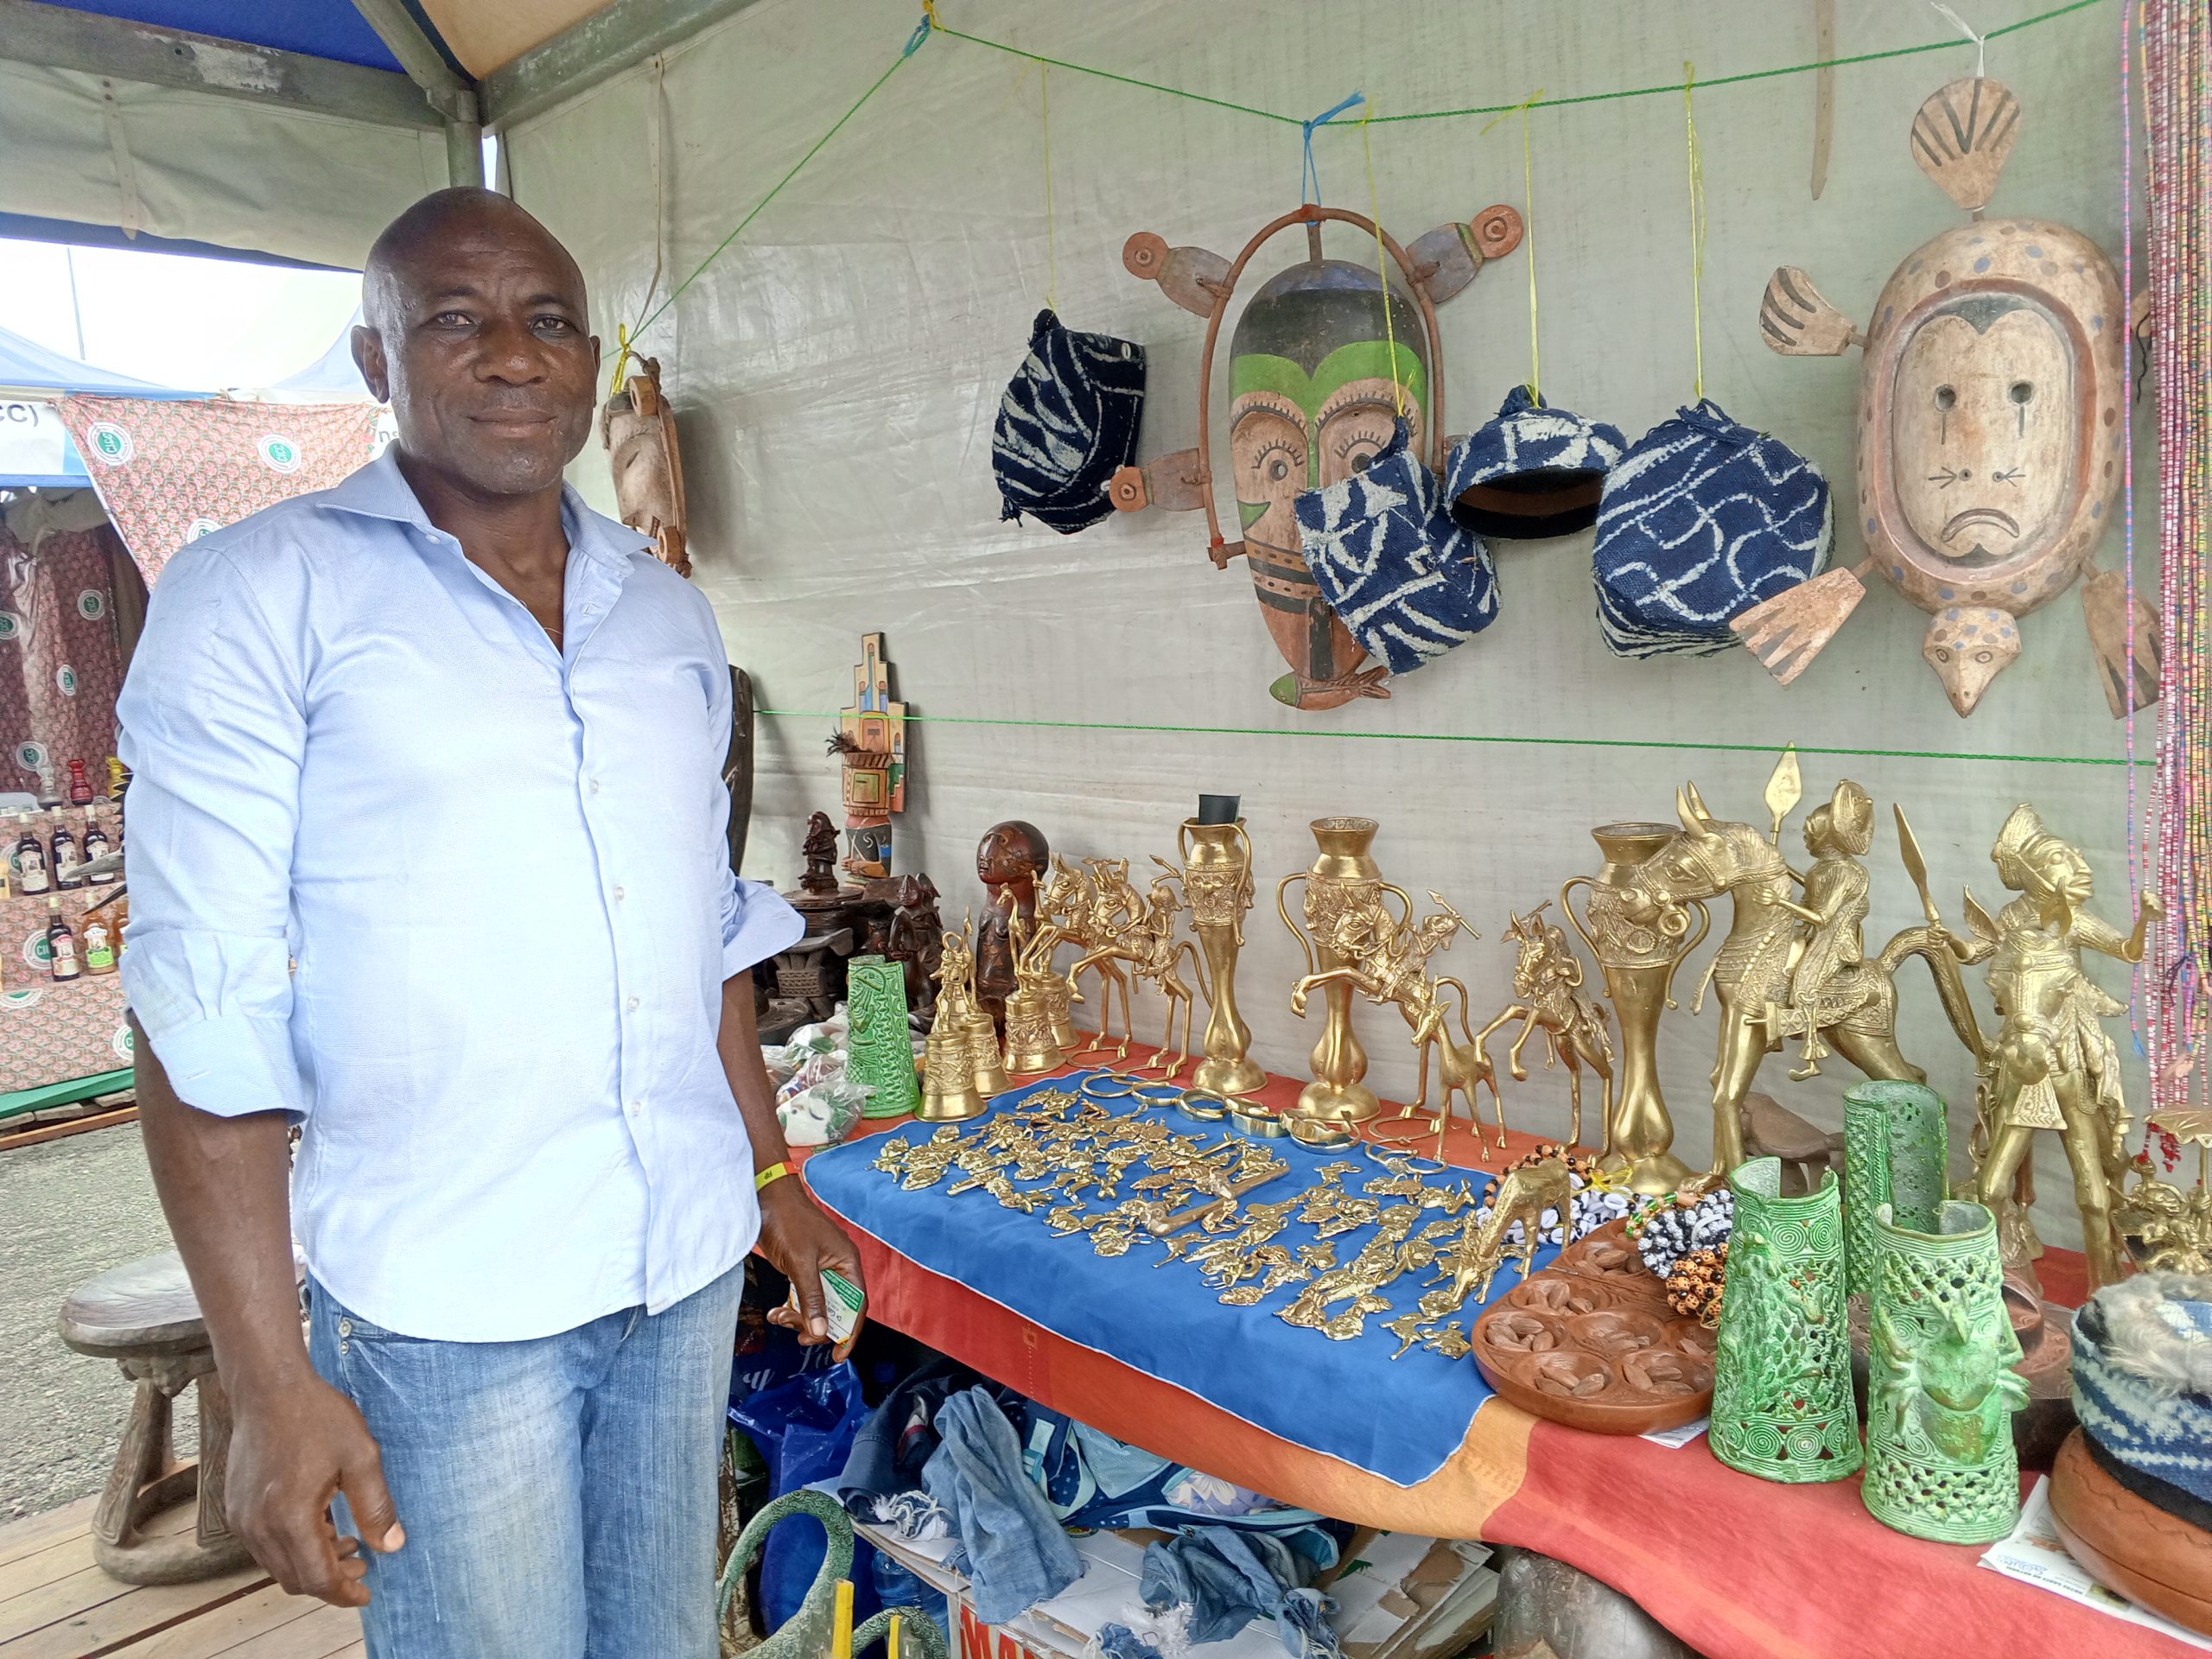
[(1590, 1342)]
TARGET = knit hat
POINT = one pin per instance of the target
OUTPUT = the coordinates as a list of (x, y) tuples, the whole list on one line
[(1531, 471), (1701, 520), (1067, 421), (1407, 582), (2143, 1388)]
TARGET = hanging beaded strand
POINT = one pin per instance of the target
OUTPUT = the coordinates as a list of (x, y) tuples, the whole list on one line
[(2174, 63)]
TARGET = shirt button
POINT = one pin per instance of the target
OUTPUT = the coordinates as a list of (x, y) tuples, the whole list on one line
[(637, 1106), (594, 786), (345, 1327), (618, 895), (633, 1005)]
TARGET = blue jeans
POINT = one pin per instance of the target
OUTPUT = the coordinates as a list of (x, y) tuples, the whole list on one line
[(559, 1494)]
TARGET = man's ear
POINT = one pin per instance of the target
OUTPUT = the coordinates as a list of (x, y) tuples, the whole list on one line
[(368, 357)]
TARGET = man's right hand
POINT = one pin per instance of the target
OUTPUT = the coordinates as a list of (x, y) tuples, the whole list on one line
[(293, 1449)]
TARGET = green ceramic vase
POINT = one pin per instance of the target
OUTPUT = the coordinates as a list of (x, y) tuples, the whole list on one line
[(880, 1048), (1782, 1401), (1894, 1152), (1941, 1389)]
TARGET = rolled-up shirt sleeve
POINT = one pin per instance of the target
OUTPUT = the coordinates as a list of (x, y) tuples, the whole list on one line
[(214, 730), (757, 922)]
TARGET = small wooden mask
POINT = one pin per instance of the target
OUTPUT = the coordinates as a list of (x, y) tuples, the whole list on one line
[(1989, 426), (638, 430)]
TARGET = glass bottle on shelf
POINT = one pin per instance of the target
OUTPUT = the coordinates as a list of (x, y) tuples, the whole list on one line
[(60, 944), (67, 870), (95, 846), (99, 941), (29, 859), (81, 787)]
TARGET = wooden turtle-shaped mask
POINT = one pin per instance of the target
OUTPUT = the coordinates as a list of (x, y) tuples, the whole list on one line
[(637, 429), (1314, 359), (1990, 428)]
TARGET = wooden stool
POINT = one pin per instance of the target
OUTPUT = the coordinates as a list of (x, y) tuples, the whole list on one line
[(145, 1317)]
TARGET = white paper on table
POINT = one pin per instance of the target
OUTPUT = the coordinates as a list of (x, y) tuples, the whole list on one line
[(2033, 1554), (1677, 1436)]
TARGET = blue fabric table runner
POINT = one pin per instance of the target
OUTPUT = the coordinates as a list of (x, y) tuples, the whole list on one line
[(1398, 1419)]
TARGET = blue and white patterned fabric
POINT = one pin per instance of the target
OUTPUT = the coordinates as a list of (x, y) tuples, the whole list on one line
[(1532, 449), (2143, 1379), (1407, 582), (1702, 520), (1068, 420)]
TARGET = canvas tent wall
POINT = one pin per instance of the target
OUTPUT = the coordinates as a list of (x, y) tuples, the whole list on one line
[(35, 452)]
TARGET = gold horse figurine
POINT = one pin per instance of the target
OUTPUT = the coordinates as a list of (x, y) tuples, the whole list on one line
[(1072, 902), (1548, 997), (1754, 969), (1389, 963), (1149, 945)]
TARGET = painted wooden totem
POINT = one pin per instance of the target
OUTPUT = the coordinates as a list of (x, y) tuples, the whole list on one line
[(637, 429), (1320, 363), (1990, 427)]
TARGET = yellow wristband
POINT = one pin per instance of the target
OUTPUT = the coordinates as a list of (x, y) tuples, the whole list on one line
[(774, 1172)]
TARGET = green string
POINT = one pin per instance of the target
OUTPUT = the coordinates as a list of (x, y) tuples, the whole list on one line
[(921, 35), (1674, 87), (1474, 737)]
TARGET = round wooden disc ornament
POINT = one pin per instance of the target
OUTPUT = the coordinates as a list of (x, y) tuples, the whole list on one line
[(1989, 427)]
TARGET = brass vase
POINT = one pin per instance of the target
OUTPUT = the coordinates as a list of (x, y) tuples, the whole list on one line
[(1638, 958), (1217, 886), (1342, 901)]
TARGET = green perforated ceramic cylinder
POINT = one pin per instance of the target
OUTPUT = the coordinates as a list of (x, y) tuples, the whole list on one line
[(1782, 1401), (1941, 1386), (1895, 1152), (879, 1050)]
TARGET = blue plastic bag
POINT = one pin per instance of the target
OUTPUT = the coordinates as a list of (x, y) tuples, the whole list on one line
[(805, 1427)]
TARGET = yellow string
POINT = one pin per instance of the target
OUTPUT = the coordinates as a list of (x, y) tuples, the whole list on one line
[(929, 10), (621, 358), (1697, 224), (1051, 252), (1527, 232), (1381, 268)]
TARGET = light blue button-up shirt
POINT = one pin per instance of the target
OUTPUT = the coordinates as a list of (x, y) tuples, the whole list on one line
[(457, 900)]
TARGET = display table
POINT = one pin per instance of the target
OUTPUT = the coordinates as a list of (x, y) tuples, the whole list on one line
[(1735, 1566)]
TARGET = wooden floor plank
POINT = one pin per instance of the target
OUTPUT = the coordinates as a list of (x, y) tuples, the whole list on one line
[(324, 1631), (218, 1633), (36, 1532), (90, 1613), (73, 1553)]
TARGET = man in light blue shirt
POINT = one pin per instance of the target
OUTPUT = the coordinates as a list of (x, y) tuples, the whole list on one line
[(427, 857)]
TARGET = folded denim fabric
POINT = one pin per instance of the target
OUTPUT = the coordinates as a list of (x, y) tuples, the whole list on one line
[(1543, 463), (1015, 1553), (1068, 420), (1228, 1578), (897, 1436)]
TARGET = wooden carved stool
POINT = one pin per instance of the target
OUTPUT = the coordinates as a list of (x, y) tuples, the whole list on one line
[(145, 1317)]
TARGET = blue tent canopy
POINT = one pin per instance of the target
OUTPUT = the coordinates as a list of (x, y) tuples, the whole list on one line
[(333, 377), (27, 366)]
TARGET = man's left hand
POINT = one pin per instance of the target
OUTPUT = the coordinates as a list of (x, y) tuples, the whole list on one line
[(799, 1241)]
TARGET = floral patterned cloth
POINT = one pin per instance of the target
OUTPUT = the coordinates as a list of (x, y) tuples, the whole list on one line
[(60, 665), (170, 470)]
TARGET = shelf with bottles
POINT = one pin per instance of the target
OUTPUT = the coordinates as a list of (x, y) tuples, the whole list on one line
[(59, 939), (49, 850)]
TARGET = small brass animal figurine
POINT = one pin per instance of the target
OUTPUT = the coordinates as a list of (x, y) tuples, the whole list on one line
[(1548, 997), (1520, 1195)]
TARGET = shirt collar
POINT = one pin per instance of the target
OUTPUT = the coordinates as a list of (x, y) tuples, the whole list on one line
[(380, 490)]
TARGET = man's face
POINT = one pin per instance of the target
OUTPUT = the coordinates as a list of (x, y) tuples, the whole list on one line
[(482, 348)]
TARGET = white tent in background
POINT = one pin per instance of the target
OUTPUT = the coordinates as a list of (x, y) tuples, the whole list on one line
[(331, 378)]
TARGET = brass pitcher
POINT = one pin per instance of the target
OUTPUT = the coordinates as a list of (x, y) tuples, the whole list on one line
[(1343, 905), (1639, 959), (1217, 885)]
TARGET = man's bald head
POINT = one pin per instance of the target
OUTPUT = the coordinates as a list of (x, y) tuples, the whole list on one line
[(475, 325)]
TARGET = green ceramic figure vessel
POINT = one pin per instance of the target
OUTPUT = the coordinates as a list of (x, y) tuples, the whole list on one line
[(1894, 1152), (1941, 1389), (879, 1047), (1782, 1401)]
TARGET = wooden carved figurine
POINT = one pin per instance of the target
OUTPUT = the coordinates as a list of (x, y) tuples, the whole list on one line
[(820, 851), (2053, 1065), (1008, 861), (870, 743), (637, 429), (1320, 361), (915, 938), (1989, 427)]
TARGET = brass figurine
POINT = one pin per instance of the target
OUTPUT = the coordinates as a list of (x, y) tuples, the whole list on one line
[(1032, 1043), (948, 1084), (1091, 911), (1520, 1195), (1548, 997), (2053, 1066), (1638, 945), (1342, 900), (1389, 963), (2165, 1226), (1149, 944), (1217, 877)]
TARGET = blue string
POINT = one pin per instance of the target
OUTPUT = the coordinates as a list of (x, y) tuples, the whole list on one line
[(915, 41), (1309, 181)]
